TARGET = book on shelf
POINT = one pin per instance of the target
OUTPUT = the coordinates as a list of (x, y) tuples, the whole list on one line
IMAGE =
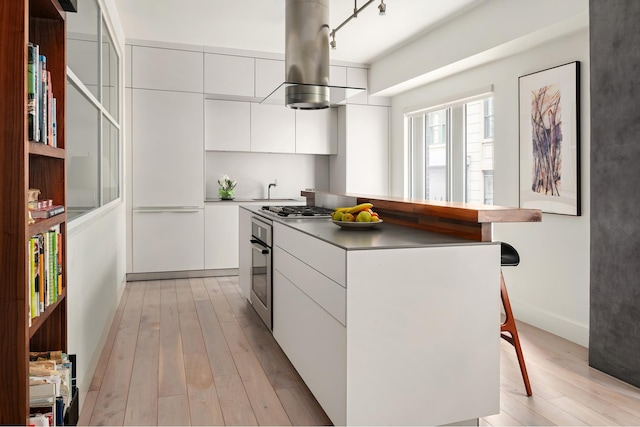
[(45, 272), (33, 91), (41, 104), (47, 212)]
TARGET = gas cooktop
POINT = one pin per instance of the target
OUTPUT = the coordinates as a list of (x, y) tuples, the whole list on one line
[(298, 211)]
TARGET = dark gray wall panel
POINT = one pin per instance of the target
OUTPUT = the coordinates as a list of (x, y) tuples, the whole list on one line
[(614, 330)]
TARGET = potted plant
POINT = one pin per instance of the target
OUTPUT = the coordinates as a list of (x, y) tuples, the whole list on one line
[(227, 186)]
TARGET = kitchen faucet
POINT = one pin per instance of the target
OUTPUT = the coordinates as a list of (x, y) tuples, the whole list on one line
[(273, 184)]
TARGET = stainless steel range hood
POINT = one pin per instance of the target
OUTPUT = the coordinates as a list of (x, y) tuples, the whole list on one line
[(306, 85)]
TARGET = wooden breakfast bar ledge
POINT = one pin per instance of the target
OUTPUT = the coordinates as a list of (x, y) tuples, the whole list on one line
[(467, 220)]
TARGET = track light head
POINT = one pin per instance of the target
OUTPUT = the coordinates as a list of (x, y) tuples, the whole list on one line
[(382, 7)]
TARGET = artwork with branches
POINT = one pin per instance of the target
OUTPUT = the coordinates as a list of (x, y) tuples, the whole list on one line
[(546, 141), (549, 127)]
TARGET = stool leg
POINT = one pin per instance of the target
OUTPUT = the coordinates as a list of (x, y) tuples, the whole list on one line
[(509, 326)]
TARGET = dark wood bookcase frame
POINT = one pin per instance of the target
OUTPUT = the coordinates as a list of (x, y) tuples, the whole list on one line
[(24, 165)]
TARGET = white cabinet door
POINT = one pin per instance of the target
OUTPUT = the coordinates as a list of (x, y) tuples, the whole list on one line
[(315, 343), (168, 240), (227, 125), (367, 150), (167, 69), (228, 75), (168, 164), (269, 75), (337, 75), (273, 129), (221, 236), (317, 131), (357, 77)]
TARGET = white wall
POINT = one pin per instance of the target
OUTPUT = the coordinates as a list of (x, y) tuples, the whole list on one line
[(95, 267), (550, 288), (254, 172)]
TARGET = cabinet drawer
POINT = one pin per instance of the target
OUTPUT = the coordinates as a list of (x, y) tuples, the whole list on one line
[(315, 343), (325, 292), (321, 256), (171, 240)]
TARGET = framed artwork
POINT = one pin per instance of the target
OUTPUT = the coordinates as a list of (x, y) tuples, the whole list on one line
[(549, 111)]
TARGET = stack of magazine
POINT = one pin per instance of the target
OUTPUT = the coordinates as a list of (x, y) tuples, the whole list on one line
[(50, 387)]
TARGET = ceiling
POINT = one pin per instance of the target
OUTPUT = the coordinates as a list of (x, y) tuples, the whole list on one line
[(258, 25)]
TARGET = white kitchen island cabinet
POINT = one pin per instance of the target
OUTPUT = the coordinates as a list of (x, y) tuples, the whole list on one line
[(391, 326)]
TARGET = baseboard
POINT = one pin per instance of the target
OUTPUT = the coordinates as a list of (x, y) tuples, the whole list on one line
[(164, 275), (550, 322)]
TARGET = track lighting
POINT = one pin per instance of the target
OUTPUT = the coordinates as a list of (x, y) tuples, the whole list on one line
[(382, 8)]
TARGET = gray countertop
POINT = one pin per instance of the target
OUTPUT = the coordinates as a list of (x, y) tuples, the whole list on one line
[(383, 236)]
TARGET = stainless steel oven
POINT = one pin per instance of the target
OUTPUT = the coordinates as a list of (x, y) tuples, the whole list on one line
[(261, 285)]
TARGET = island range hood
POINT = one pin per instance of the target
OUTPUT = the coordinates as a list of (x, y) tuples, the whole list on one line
[(306, 85)]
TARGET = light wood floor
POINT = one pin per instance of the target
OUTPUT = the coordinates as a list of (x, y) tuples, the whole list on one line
[(193, 352)]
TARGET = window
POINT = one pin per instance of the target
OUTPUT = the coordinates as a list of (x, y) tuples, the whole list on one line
[(93, 119), (451, 151)]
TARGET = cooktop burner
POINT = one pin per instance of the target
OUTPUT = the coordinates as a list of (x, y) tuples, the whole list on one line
[(299, 211)]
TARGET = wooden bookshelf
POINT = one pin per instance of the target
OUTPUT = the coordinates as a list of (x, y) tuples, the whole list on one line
[(24, 165)]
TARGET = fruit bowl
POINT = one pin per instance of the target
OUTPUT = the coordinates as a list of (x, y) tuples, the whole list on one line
[(348, 225)]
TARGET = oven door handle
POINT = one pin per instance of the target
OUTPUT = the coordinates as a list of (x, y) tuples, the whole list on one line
[(260, 246)]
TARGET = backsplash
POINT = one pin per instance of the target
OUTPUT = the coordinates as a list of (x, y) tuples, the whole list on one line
[(254, 172)]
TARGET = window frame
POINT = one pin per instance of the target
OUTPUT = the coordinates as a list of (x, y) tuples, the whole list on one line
[(105, 116), (456, 144)]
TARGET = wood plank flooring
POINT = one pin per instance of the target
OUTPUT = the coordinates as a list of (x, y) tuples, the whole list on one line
[(193, 352)]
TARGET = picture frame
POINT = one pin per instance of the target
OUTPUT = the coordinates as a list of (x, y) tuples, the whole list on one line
[(549, 139)]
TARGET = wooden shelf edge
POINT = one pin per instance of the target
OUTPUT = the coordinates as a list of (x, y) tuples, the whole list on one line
[(39, 321), (42, 225), (40, 149)]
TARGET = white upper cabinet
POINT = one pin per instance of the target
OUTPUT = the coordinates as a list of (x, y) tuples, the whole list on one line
[(337, 75), (273, 129), (227, 125), (229, 75), (166, 69), (269, 75), (167, 165), (317, 131), (357, 77)]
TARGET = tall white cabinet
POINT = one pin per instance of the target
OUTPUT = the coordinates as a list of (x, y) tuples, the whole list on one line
[(362, 163), (167, 180)]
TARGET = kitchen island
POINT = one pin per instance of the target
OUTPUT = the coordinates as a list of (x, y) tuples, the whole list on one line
[(389, 326)]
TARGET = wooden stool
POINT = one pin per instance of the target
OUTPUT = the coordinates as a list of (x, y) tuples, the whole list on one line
[(510, 257)]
